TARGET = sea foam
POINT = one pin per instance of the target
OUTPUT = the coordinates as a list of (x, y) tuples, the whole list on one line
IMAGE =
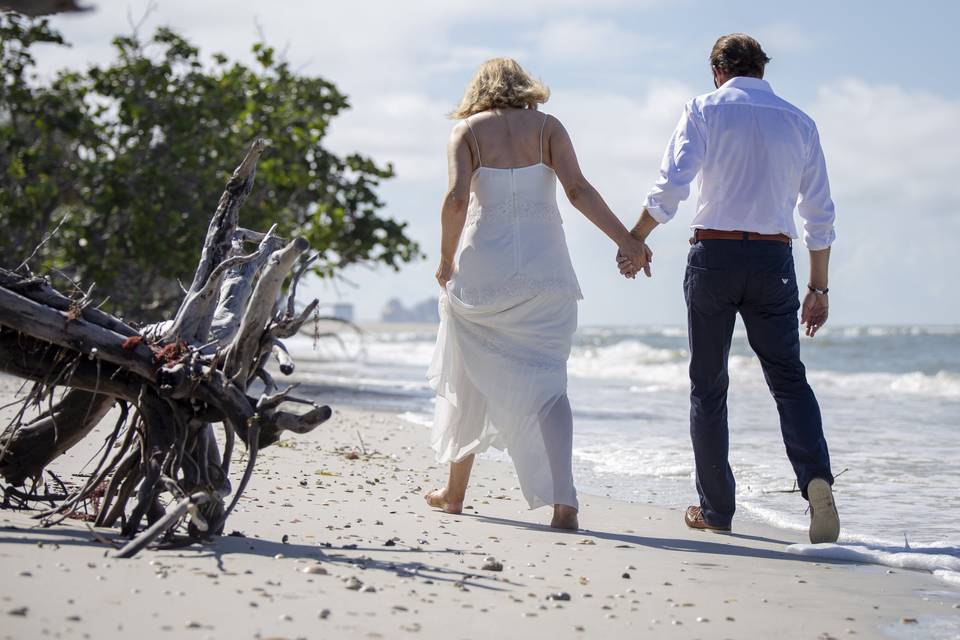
[(942, 560)]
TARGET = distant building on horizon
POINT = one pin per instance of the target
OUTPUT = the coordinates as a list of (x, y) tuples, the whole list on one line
[(426, 312)]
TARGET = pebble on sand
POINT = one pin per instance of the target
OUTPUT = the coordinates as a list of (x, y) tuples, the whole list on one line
[(315, 569), (492, 564), (559, 595)]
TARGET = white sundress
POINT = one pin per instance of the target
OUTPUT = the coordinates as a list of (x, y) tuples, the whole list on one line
[(507, 319)]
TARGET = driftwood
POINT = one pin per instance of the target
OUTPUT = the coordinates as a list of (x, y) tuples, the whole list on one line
[(175, 383), (36, 8)]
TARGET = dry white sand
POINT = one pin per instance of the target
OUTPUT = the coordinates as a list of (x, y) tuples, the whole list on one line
[(332, 547)]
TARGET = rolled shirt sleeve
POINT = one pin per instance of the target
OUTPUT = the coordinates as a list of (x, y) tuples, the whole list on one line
[(681, 164), (815, 205)]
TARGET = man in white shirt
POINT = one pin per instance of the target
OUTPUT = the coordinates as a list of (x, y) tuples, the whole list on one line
[(757, 157)]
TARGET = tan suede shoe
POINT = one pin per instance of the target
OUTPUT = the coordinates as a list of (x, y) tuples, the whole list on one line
[(694, 519)]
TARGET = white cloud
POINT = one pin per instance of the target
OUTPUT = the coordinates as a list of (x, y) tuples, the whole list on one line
[(468, 58), (893, 157), (893, 153), (581, 40), (406, 128), (889, 147), (782, 37)]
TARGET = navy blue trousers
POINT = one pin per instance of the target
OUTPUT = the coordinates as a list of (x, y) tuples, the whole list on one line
[(757, 280)]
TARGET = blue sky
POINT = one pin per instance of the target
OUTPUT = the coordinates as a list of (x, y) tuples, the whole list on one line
[(874, 75)]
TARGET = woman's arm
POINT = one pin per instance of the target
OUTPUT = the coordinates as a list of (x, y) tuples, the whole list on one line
[(453, 214), (582, 195)]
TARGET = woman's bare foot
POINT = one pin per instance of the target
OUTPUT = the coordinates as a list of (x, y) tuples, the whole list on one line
[(439, 499), (564, 517)]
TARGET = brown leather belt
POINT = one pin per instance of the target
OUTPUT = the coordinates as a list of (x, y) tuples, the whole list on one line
[(713, 234)]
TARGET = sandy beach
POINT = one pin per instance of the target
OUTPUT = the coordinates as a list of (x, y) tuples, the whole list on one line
[(333, 540)]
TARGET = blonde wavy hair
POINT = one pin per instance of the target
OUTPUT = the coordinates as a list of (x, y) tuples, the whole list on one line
[(499, 84)]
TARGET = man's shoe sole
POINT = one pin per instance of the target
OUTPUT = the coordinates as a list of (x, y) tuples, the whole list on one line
[(824, 520)]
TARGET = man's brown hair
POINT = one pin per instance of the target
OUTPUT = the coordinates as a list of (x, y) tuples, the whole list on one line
[(738, 54)]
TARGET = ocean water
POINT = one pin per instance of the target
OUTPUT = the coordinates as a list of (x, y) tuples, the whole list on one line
[(890, 397)]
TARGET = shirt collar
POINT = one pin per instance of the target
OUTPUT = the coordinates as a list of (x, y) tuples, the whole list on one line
[(746, 82)]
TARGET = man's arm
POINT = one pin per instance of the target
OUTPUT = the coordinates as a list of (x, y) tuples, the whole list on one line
[(816, 305), (681, 164), (816, 208), (815, 205)]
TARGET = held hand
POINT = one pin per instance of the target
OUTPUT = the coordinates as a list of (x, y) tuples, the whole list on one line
[(444, 273), (625, 265), (634, 256), (814, 312)]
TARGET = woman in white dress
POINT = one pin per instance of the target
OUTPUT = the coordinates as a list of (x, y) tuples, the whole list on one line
[(508, 307)]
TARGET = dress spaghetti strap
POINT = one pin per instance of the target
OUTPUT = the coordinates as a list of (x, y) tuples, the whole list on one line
[(541, 136), (477, 142)]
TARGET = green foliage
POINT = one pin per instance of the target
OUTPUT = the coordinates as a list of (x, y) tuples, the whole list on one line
[(137, 153)]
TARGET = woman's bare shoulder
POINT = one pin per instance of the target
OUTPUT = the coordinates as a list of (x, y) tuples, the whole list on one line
[(459, 131), (525, 117), (552, 121)]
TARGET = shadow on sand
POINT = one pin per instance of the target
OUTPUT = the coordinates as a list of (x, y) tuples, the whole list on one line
[(683, 545), (362, 558)]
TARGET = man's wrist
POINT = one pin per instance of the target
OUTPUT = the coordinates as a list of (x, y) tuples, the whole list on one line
[(645, 225), (820, 290), (639, 232)]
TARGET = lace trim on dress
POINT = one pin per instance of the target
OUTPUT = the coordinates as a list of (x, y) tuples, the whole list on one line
[(506, 212), (519, 287)]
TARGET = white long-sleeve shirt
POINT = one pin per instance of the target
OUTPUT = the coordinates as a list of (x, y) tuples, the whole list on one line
[(757, 156)]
